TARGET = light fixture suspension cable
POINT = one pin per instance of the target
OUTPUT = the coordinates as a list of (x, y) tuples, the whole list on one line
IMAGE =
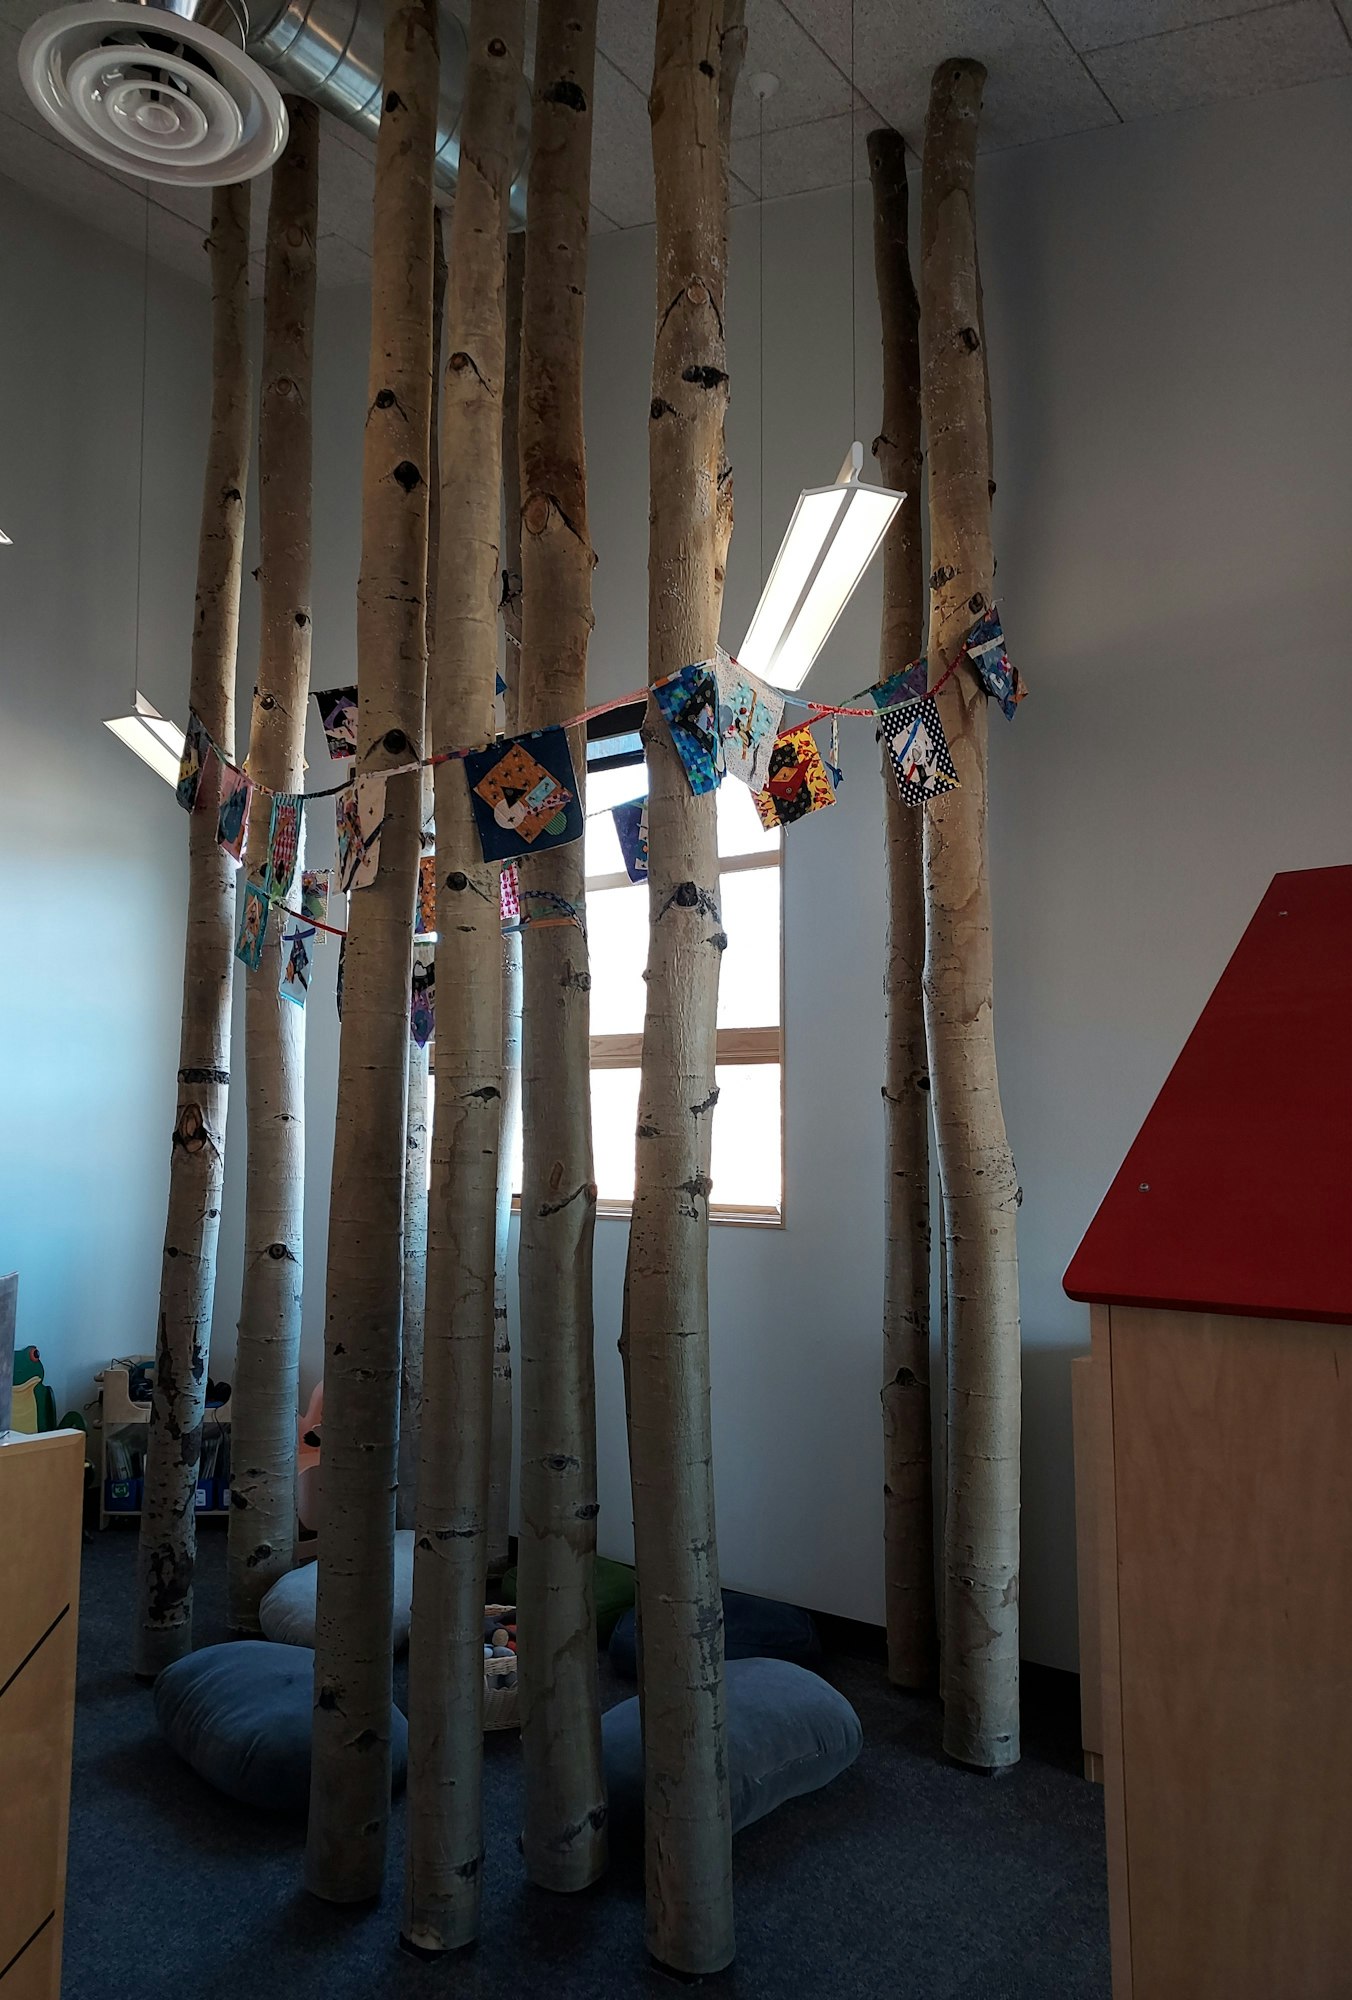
[(760, 326), (854, 341)]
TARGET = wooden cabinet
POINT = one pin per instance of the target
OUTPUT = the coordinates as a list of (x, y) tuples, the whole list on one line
[(41, 1493), (1219, 1270)]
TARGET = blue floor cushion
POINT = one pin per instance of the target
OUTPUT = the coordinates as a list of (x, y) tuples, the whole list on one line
[(240, 1715), (754, 1628), (789, 1732), (287, 1613)]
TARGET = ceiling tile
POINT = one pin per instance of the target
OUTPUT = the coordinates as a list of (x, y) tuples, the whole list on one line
[(601, 225), (1097, 24), (622, 162), (1037, 87), (804, 157), (1225, 59), (625, 32), (341, 262), (810, 86)]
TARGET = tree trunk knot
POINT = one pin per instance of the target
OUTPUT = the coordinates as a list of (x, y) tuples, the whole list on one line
[(697, 294), (698, 1187), (395, 740), (384, 398), (190, 1132), (204, 1076), (976, 605), (566, 93), (407, 475), (561, 1461), (535, 514), (940, 576), (659, 408), (277, 1251), (258, 1555), (704, 376), (393, 101), (457, 881), (708, 1104), (497, 47), (302, 620), (267, 702), (969, 338)]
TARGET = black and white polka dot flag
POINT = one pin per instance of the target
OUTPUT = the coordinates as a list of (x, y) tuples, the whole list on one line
[(918, 750)]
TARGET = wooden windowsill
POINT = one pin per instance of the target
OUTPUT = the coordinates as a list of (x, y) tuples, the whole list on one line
[(739, 1218)]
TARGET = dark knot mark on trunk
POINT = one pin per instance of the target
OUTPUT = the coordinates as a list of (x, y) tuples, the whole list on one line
[(698, 1110), (562, 1461), (977, 604), (566, 93), (393, 101), (190, 1445), (576, 981), (467, 1870), (366, 1739), (279, 1250), (649, 1132), (385, 399), (704, 377), (661, 408), (406, 475), (718, 939), (942, 575), (588, 1511), (590, 1822), (968, 339), (587, 1191), (459, 361), (327, 1698), (485, 1094), (689, 896), (697, 1187), (238, 1499), (693, 293), (906, 1378), (258, 1555), (221, 1076), (191, 1133)]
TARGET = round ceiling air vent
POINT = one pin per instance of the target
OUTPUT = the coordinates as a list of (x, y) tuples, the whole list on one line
[(158, 96)]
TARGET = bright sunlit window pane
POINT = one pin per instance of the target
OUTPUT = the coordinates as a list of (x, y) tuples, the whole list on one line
[(617, 937), (748, 978), (746, 1141), (739, 827), (606, 789)]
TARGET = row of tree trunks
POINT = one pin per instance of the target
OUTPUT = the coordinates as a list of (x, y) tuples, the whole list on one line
[(262, 1530), (980, 1188), (168, 1534), (418, 1112), (564, 1834), (509, 1132), (688, 1845), (350, 1781), (445, 1833), (912, 1644)]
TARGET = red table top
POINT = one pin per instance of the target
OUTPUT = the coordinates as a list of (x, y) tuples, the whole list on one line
[(1236, 1196)]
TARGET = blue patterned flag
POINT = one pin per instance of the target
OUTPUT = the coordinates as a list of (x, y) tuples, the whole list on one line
[(991, 663)]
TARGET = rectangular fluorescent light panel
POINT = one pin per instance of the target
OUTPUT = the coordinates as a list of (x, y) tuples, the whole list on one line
[(156, 741), (5, 539), (833, 537)]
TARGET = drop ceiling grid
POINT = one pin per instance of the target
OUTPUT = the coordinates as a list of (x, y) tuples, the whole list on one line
[(1055, 67)]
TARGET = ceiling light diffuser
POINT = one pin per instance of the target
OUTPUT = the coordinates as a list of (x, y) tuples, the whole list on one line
[(833, 537), (156, 741)]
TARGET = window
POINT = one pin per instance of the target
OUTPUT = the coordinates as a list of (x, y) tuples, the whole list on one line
[(747, 1166)]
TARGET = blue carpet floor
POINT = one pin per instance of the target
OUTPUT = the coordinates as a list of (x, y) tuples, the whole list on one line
[(907, 1879)]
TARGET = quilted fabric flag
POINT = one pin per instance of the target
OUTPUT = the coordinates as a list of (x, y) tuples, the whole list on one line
[(422, 1006), (750, 712), (524, 794), (338, 713), (918, 750), (314, 894), (631, 830), (689, 702), (509, 893), (798, 782), (283, 841), (295, 980), (986, 651), (360, 814), (425, 919), (232, 821), (908, 685), (253, 927), (192, 766), (338, 982)]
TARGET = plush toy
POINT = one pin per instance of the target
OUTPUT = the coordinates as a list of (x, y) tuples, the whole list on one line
[(34, 1407)]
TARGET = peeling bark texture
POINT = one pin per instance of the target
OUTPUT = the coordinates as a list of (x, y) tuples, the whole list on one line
[(564, 1838), (981, 1194), (168, 1535), (908, 1498), (688, 1843), (262, 1528), (443, 1879), (501, 1449), (417, 1115), (350, 1766)]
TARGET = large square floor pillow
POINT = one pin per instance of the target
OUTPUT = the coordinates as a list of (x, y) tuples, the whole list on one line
[(754, 1628), (614, 1594), (789, 1732), (240, 1714), (287, 1613)]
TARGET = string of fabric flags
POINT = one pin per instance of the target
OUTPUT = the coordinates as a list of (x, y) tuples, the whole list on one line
[(722, 719)]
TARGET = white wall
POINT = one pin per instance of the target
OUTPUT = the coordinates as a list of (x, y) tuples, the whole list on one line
[(93, 865), (1167, 309)]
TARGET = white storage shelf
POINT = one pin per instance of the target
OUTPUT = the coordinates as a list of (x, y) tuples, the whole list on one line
[(119, 1412)]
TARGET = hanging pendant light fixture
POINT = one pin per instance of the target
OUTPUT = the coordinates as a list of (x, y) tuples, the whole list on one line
[(156, 740), (833, 537)]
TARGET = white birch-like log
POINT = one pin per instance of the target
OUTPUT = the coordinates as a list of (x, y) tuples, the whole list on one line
[(350, 1762), (443, 1879), (908, 1499), (418, 1112), (688, 1845), (509, 1131), (980, 1187), (168, 1533), (564, 1832), (265, 1391)]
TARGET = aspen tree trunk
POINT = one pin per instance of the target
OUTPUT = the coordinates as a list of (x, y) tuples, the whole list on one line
[(262, 1534), (564, 1834), (417, 1116), (350, 1766), (732, 53), (500, 1468), (445, 1829), (981, 1192), (912, 1641), (688, 1828), (168, 1534)]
